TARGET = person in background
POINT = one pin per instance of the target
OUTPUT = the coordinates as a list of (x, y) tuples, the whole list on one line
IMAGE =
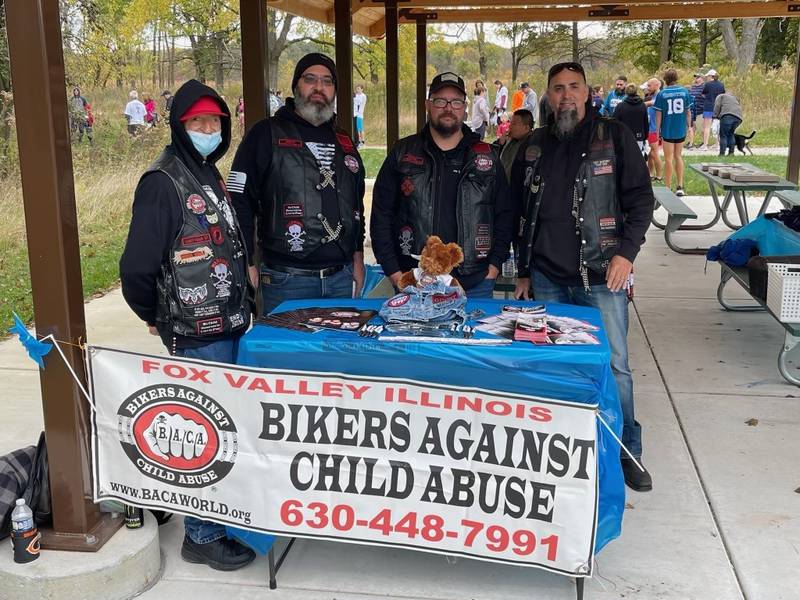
[(597, 97), (151, 118), (88, 126), (359, 104), (633, 113), (615, 96), (696, 92), (531, 103), (239, 113), (500, 100), (673, 113), (517, 98), (135, 112), (652, 86), (504, 125), (729, 112), (184, 267), (167, 95), (480, 112), (517, 137), (712, 88), (77, 114)]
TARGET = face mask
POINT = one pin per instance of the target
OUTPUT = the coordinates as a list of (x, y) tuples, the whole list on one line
[(205, 143)]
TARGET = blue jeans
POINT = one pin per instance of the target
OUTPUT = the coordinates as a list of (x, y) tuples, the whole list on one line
[(727, 126), (614, 309), (485, 289), (224, 351), (286, 286)]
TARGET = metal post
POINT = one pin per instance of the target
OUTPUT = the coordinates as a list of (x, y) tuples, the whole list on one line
[(392, 75), (793, 162), (344, 65), (255, 52), (422, 71), (43, 137)]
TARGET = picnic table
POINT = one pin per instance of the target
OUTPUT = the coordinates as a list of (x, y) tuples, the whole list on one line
[(735, 192)]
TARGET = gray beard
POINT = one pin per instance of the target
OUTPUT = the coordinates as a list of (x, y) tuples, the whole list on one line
[(314, 113), (565, 124)]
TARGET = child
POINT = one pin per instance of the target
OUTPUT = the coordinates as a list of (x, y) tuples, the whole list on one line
[(504, 125), (88, 125)]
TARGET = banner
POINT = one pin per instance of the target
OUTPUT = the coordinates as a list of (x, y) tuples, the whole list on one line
[(459, 471)]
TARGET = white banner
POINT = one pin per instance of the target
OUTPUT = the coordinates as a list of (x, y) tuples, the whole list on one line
[(460, 471)]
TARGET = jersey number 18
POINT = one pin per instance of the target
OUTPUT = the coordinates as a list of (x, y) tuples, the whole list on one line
[(675, 106)]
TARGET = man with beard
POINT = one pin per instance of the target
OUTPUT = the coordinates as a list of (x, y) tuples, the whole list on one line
[(300, 181), (443, 181), (615, 96), (586, 203)]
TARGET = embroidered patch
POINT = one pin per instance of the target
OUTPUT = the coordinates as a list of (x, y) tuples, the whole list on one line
[(532, 153), (209, 326), (406, 240), (345, 142), (483, 240), (292, 210), (483, 163), (608, 223), (191, 240), (221, 277), (205, 311), (351, 163), (194, 295), (413, 159), (216, 235), (399, 300), (212, 217), (236, 181), (602, 167), (356, 215), (236, 320), (483, 229), (407, 186), (187, 257), (608, 242), (295, 235), (290, 143), (481, 148), (196, 204)]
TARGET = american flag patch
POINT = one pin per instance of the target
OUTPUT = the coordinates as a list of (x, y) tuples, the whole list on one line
[(236, 181)]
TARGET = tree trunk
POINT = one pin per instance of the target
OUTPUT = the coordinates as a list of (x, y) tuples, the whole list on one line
[(155, 55), (172, 63), (703, 53), (219, 61), (663, 54), (575, 46), (480, 37), (743, 50)]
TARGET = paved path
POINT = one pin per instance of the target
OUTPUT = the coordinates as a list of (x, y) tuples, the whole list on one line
[(723, 520)]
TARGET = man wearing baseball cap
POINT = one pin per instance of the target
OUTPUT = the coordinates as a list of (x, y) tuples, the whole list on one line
[(184, 268), (443, 181), (712, 88), (298, 182), (586, 203)]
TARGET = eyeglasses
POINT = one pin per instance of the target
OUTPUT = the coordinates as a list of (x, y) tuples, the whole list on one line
[(454, 104), (311, 79)]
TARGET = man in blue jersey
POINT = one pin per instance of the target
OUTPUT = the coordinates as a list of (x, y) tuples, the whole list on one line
[(673, 116), (615, 96)]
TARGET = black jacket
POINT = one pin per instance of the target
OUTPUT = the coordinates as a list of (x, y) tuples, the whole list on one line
[(157, 214), (633, 113)]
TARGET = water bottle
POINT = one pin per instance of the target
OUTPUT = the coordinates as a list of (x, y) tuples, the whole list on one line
[(134, 517), (510, 265), (25, 537)]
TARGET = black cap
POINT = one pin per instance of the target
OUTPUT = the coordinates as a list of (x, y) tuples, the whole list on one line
[(165, 92), (524, 85), (565, 66), (309, 60), (447, 79)]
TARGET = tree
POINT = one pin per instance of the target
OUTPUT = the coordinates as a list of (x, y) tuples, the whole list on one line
[(525, 42), (278, 27), (741, 48), (480, 39)]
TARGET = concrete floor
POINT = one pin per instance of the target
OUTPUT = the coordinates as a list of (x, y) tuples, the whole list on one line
[(723, 520)]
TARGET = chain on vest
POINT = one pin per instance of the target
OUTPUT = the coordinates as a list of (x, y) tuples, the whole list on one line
[(202, 287), (297, 225), (474, 201), (594, 203)]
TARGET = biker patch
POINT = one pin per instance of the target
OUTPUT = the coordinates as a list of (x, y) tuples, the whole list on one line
[(483, 240), (209, 326), (483, 163), (407, 187), (295, 235), (290, 143), (236, 320), (406, 240), (221, 277), (345, 142), (216, 235), (195, 295), (191, 240), (602, 167), (292, 210), (351, 163), (196, 204), (532, 153), (412, 159), (608, 224), (187, 257)]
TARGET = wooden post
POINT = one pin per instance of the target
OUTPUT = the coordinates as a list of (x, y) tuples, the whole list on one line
[(344, 66), (793, 162), (43, 137), (422, 71), (255, 49), (392, 75)]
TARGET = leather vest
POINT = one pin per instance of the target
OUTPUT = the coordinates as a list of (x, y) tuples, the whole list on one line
[(202, 287), (595, 205), (474, 203), (296, 225)]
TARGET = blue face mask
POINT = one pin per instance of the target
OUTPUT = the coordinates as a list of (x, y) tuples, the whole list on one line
[(205, 143)]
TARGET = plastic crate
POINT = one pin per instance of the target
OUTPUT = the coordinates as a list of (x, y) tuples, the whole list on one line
[(783, 291)]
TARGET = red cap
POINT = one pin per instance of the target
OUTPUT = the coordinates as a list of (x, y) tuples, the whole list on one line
[(205, 105)]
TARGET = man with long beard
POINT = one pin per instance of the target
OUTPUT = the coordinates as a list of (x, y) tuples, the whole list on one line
[(586, 203), (300, 181), (443, 181)]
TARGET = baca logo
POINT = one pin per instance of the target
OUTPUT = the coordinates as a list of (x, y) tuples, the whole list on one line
[(178, 435)]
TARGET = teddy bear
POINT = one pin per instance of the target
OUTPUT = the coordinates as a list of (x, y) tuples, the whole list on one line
[(435, 263)]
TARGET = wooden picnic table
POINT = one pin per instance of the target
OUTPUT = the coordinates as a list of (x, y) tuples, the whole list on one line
[(736, 193)]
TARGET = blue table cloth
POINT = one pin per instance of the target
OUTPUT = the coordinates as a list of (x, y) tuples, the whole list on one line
[(580, 373)]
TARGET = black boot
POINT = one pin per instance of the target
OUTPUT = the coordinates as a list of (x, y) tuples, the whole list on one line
[(222, 555), (638, 481)]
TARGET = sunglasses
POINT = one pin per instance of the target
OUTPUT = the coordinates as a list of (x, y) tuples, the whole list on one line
[(565, 66)]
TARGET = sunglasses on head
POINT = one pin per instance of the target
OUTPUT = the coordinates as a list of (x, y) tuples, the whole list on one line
[(565, 66)]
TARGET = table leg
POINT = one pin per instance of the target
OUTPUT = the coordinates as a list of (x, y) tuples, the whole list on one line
[(790, 341), (765, 204), (731, 196), (725, 277)]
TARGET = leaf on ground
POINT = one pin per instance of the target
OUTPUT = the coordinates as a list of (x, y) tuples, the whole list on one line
[(629, 506), (752, 422)]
